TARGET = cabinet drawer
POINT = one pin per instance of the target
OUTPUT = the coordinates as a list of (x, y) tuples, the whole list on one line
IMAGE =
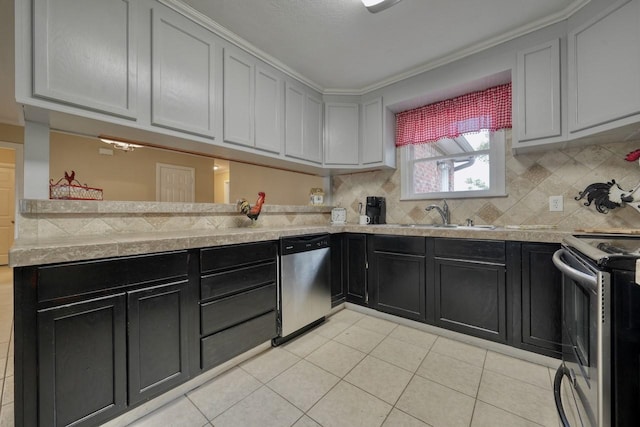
[(403, 245), (64, 280), (218, 348), (225, 257), (465, 249), (220, 314), (228, 282)]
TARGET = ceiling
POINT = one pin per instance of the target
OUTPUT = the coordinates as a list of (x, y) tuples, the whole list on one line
[(340, 47)]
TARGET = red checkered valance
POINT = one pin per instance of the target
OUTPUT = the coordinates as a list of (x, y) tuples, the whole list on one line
[(488, 109)]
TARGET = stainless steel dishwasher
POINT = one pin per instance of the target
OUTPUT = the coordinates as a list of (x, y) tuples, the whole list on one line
[(304, 295)]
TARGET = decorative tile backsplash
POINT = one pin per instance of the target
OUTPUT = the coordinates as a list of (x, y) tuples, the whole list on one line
[(531, 179)]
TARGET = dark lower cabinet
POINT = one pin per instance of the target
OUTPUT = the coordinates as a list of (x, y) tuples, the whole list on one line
[(338, 294), (537, 300), (396, 275), (158, 339), (355, 268), (471, 298), (95, 338), (82, 366), (469, 285), (238, 300)]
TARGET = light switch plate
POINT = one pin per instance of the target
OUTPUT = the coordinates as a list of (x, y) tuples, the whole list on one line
[(556, 204)]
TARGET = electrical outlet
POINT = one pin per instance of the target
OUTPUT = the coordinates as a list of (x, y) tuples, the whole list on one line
[(556, 204)]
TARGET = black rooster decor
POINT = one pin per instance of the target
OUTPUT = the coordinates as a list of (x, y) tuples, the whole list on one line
[(602, 194), (609, 195)]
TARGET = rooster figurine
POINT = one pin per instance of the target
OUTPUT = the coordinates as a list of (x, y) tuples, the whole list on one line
[(252, 212)]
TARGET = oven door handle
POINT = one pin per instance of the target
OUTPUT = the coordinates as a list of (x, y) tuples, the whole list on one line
[(584, 278), (557, 394)]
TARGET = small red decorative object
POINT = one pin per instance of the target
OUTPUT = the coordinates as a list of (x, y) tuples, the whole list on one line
[(72, 189), (633, 156)]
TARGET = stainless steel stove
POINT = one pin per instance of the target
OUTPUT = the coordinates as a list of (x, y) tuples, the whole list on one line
[(601, 329)]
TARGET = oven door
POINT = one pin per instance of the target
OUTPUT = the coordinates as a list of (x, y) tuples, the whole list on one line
[(585, 336)]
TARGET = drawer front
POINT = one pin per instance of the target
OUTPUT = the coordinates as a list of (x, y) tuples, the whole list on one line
[(464, 249), (230, 282), (223, 313), (218, 348), (225, 257), (77, 278), (403, 245)]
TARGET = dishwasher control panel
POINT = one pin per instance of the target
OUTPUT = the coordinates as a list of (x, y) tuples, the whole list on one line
[(311, 242)]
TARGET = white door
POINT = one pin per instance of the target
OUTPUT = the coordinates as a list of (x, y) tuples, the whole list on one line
[(226, 192), (7, 210), (175, 183)]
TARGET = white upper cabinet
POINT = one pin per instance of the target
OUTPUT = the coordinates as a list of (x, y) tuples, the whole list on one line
[(341, 134), (269, 111), (239, 97), (539, 116), (183, 76), (312, 135), (85, 54), (604, 69), (253, 108), (303, 124), (372, 142), (294, 108)]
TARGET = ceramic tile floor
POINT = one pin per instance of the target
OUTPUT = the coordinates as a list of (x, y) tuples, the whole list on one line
[(358, 370), (6, 347), (354, 370)]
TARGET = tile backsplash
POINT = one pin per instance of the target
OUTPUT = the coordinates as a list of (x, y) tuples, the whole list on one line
[(531, 179)]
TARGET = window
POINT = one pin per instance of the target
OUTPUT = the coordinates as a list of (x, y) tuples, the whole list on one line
[(470, 165), (455, 148)]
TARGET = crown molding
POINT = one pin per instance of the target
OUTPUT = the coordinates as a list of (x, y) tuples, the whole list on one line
[(233, 38)]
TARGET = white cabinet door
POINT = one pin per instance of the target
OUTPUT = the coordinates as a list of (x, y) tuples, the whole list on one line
[(268, 111), (239, 72), (341, 134), (372, 148), (85, 54), (294, 115), (604, 67), (312, 135), (538, 92), (183, 74)]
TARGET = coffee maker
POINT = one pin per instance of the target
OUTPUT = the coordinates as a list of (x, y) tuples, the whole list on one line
[(377, 209)]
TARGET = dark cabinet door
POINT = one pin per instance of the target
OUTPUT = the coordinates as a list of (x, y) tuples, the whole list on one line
[(538, 304), (355, 268), (397, 275), (470, 297), (82, 362), (158, 342), (338, 294)]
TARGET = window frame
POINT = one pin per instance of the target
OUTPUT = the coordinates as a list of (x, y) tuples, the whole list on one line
[(497, 173)]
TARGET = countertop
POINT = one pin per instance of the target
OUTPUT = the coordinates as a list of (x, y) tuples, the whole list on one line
[(27, 252)]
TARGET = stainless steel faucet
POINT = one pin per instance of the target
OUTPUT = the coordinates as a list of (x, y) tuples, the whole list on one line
[(444, 212)]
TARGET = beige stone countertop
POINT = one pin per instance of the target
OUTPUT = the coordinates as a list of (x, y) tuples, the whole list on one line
[(54, 250)]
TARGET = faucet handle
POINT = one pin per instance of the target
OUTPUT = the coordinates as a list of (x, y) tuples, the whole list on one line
[(469, 222)]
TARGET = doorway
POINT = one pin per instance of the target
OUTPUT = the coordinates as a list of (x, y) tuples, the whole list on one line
[(175, 183), (7, 202)]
